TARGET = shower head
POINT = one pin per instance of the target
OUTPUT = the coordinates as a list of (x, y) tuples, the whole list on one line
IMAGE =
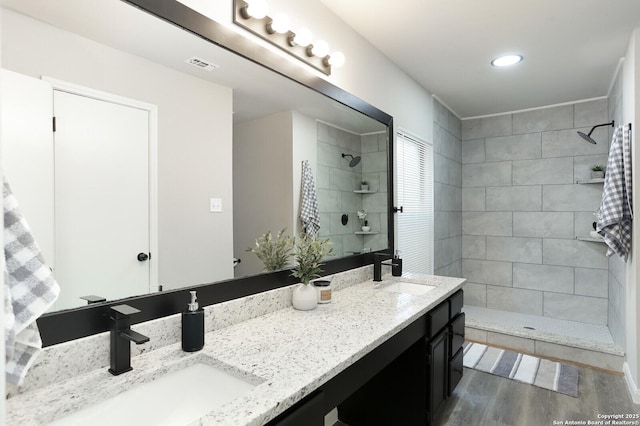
[(588, 137), (354, 160)]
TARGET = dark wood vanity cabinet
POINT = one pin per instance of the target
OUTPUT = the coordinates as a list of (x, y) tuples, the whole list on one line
[(404, 381), (414, 387)]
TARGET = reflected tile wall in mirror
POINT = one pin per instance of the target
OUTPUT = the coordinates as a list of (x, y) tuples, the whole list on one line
[(338, 183)]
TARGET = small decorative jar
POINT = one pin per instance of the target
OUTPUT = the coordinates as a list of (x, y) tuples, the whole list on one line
[(324, 290)]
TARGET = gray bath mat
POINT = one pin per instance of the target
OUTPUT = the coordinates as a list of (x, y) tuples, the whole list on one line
[(539, 372)]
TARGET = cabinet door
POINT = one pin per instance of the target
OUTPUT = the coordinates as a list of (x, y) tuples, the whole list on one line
[(438, 361), (456, 370)]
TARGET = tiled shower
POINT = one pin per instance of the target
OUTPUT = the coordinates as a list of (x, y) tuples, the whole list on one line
[(509, 213), (337, 181)]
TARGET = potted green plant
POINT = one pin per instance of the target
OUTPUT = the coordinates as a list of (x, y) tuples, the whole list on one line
[(308, 253), (597, 171), (274, 253), (364, 185), (362, 215)]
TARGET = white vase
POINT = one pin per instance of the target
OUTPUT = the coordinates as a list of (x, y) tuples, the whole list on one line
[(366, 228), (305, 297)]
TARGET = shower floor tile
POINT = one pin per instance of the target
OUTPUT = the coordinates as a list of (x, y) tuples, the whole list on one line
[(510, 321)]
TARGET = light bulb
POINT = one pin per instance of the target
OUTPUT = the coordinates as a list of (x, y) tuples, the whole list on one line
[(303, 37), (320, 48), (257, 8), (280, 23), (505, 61), (336, 59)]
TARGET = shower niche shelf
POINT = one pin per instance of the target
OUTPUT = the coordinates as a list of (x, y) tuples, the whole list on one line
[(591, 240), (366, 232), (364, 191), (588, 181)]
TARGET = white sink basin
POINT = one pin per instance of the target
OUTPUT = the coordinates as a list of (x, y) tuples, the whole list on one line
[(409, 288), (176, 398)]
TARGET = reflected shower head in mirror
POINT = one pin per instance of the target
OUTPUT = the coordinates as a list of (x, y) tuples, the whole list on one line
[(588, 138), (354, 160)]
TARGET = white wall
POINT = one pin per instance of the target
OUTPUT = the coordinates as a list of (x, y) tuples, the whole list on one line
[(262, 184), (2, 283), (194, 143), (367, 73), (631, 114), (304, 148)]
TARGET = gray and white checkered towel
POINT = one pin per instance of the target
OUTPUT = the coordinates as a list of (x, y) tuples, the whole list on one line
[(616, 213), (309, 214), (29, 291)]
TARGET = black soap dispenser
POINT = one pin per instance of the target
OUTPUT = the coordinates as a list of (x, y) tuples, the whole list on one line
[(193, 326), (396, 265)]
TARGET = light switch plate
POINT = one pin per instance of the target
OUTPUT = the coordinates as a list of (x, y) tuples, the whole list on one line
[(215, 205)]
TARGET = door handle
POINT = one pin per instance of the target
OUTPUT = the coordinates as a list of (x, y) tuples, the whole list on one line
[(143, 256)]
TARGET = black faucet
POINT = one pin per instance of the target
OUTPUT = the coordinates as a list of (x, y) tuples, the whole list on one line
[(121, 336), (378, 261)]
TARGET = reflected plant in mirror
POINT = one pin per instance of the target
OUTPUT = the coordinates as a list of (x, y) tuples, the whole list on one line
[(274, 253)]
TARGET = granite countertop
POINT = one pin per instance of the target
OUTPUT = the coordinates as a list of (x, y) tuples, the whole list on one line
[(287, 354)]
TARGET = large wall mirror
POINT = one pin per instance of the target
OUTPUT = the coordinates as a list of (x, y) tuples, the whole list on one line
[(229, 143)]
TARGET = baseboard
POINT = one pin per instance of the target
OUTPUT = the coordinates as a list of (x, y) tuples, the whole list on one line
[(631, 384)]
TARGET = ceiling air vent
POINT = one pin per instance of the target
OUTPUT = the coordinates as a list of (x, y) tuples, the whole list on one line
[(202, 64)]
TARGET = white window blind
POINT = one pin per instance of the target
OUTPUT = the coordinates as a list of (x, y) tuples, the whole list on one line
[(414, 165)]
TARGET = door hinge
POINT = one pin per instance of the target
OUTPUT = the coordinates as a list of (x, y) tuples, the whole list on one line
[(54, 123)]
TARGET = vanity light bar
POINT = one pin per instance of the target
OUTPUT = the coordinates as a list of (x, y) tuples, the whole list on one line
[(264, 28)]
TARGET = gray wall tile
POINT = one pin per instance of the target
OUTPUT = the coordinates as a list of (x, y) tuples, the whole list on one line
[(478, 128), (591, 310), (583, 223), (487, 223), (584, 198), (447, 197), (617, 268), (591, 113), (473, 151), (514, 300), (591, 282), (486, 174), (475, 294), (582, 165), (518, 147), (473, 199), (514, 249), (557, 279), (567, 143), (474, 247), (543, 224), (543, 171), (449, 250), (487, 272), (540, 120), (514, 198), (574, 253)]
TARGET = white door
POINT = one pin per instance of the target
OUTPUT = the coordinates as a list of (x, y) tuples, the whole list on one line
[(101, 199), (27, 152)]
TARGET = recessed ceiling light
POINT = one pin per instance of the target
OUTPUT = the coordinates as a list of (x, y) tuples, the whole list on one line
[(505, 61)]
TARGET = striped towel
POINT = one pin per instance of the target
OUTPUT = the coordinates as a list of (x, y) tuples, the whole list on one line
[(29, 291), (309, 214), (614, 222)]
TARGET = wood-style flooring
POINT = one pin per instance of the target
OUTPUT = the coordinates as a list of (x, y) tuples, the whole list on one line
[(482, 399), (488, 400)]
